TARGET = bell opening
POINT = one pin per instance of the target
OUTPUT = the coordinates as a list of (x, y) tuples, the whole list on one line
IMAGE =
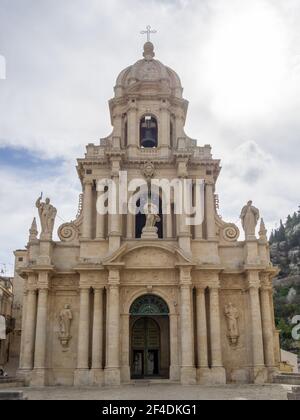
[(148, 132)]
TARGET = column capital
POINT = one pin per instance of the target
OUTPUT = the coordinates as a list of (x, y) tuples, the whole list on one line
[(114, 277), (88, 182), (185, 276), (200, 289), (98, 289), (253, 280), (266, 282)]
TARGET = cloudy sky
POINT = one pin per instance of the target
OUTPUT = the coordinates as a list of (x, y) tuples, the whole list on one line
[(239, 62)]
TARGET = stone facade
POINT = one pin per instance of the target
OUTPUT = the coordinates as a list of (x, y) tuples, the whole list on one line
[(89, 297)]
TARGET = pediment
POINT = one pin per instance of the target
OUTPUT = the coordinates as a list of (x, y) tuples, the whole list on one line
[(150, 255)]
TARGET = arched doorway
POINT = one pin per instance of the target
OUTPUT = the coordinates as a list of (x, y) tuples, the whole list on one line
[(149, 338)]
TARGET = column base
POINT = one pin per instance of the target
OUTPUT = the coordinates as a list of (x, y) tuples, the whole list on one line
[(259, 375), (174, 373), (272, 371), (188, 376), (82, 377), (24, 375), (97, 377), (211, 376), (39, 378), (112, 377), (125, 374)]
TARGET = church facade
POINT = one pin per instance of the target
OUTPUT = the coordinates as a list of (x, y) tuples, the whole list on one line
[(125, 296)]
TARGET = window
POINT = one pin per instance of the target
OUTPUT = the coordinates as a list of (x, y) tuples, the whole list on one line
[(148, 132)]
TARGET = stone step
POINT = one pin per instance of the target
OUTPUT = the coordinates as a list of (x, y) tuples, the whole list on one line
[(287, 379), (294, 395), (148, 382), (11, 395), (10, 382)]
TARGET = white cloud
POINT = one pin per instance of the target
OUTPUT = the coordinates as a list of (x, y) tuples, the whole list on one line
[(239, 63)]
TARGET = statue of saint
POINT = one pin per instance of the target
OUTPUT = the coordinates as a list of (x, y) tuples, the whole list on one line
[(65, 319), (47, 214), (250, 217), (232, 316), (151, 217)]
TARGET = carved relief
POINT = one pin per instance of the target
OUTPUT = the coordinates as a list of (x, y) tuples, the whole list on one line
[(232, 317)]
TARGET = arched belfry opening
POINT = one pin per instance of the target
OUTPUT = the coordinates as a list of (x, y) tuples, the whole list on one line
[(149, 338), (148, 132)]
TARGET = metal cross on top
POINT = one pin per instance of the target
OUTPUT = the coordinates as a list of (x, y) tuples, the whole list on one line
[(148, 32)]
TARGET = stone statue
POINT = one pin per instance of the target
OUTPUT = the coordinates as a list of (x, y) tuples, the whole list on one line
[(232, 316), (152, 217), (47, 214), (250, 217), (65, 320), (150, 230)]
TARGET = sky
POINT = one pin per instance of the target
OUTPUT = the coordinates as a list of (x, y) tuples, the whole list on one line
[(239, 63)]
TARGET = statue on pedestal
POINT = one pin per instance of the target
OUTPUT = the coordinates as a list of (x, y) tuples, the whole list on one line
[(65, 319), (232, 316), (152, 218), (250, 217), (47, 214)]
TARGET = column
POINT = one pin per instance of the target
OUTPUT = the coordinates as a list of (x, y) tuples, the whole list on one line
[(125, 355), (81, 375), (256, 321), (39, 378), (133, 138), (267, 325), (198, 228), (115, 226), (174, 368), (210, 211), (100, 222), (188, 373), (201, 328), (112, 369), (215, 328), (23, 330), (97, 351), (29, 329), (87, 210), (169, 224), (165, 125), (129, 221)]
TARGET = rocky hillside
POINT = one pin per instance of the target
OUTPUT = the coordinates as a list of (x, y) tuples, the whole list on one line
[(285, 252)]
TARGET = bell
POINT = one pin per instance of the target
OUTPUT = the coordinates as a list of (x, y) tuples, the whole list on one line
[(148, 139)]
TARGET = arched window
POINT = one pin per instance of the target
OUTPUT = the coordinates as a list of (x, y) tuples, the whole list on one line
[(149, 305), (148, 132)]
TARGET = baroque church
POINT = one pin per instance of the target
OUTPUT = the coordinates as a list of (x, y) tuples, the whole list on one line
[(122, 297)]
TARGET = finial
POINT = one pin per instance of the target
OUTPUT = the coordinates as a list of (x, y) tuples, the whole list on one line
[(263, 231), (33, 231)]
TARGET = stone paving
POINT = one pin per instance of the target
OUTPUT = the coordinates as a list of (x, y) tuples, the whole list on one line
[(161, 392)]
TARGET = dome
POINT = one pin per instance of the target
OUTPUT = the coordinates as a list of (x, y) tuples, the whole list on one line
[(148, 70)]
